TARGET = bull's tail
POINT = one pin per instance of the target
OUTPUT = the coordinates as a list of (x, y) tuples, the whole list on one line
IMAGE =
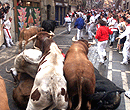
[(79, 85)]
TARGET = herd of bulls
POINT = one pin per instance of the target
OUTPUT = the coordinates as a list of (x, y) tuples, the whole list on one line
[(47, 80)]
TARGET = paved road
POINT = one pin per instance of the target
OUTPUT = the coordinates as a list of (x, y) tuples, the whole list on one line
[(119, 74)]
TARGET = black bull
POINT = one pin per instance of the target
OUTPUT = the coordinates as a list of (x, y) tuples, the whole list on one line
[(107, 95), (49, 25)]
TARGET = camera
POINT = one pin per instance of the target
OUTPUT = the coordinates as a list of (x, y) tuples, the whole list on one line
[(6, 9)]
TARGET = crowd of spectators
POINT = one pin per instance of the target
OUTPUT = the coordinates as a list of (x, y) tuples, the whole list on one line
[(116, 20), (4, 9)]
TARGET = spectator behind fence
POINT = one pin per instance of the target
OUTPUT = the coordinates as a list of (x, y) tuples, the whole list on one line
[(126, 48), (121, 27)]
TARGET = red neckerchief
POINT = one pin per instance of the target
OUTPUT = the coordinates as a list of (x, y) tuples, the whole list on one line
[(128, 25), (114, 19)]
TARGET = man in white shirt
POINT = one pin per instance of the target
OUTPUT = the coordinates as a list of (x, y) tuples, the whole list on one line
[(68, 23), (91, 26), (7, 27), (126, 48), (114, 27)]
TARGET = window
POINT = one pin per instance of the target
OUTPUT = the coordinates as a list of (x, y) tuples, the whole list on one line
[(30, 3)]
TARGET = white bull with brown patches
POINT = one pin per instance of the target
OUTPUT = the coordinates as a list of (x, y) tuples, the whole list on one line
[(49, 89)]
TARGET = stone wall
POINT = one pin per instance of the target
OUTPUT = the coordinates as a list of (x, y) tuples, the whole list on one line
[(44, 4)]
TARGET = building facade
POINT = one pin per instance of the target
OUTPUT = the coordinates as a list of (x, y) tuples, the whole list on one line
[(61, 9), (33, 12), (73, 5)]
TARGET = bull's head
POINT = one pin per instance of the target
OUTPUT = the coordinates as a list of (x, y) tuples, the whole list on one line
[(39, 37), (13, 73), (89, 43)]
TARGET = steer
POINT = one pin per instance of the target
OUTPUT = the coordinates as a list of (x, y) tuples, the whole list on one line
[(3, 96), (49, 90), (25, 34), (79, 73)]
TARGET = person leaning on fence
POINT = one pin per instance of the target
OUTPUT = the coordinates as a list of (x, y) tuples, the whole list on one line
[(121, 28), (6, 27), (126, 48), (102, 35), (79, 23)]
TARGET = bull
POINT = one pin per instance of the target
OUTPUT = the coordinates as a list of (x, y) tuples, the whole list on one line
[(107, 95), (48, 25), (49, 90), (79, 73), (25, 34), (25, 69), (3, 96)]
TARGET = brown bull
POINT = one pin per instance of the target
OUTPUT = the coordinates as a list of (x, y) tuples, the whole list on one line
[(3, 96), (25, 34), (26, 65), (22, 92), (79, 73)]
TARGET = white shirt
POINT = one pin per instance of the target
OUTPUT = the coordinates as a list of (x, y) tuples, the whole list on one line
[(84, 17), (121, 26), (126, 33), (109, 20), (92, 19), (67, 19), (115, 25), (79, 13), (7, 24), (104, 19)]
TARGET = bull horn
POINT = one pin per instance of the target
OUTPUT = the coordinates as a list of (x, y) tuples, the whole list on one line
[(35, 46), (7, 70), (51, 33), (33, 37)]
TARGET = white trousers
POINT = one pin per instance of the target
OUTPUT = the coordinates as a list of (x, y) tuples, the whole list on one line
[(79, 33), (87, 27), (68, 27), (8, 37), (126, 51), (92, 28), (101, 50)]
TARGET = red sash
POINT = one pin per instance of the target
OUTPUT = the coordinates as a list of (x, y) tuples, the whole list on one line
[(8, 33)]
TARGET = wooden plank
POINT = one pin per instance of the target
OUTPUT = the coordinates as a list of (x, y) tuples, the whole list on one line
[(15, 16), (1, 34)]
